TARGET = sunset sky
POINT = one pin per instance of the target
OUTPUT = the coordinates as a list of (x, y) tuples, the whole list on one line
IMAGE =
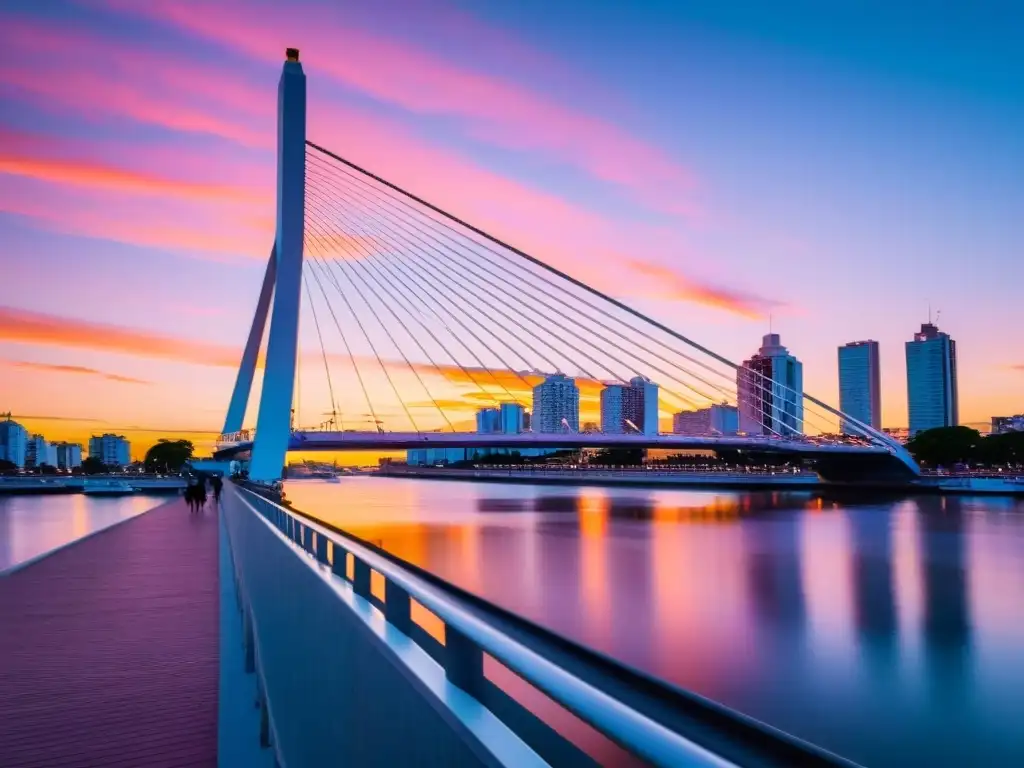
[(710, 163)]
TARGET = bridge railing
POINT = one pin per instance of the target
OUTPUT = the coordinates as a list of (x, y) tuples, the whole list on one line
[(348, 670)]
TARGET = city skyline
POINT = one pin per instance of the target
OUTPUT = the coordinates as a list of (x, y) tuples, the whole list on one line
[(165, 116)]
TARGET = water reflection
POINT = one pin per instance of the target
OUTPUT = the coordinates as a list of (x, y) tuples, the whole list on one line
[(946, 621), (830, 617), (36, 524), (872, 577)]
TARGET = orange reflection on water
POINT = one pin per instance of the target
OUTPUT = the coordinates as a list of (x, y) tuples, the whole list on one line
[(377, 585), (80, 516), (593, 520), (431, 623)]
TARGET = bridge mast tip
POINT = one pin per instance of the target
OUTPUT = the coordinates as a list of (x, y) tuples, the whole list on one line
[(291, 54)]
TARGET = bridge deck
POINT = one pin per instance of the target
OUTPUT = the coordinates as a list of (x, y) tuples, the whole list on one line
[(109, 648)]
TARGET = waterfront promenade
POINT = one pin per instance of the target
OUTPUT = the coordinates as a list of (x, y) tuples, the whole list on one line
[(109, 654)]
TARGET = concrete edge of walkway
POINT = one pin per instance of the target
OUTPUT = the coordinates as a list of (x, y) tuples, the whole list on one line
[(61, 547)]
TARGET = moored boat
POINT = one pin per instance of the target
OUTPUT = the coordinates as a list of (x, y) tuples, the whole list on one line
[(107, 487)]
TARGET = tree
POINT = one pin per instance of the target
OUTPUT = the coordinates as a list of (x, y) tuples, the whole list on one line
[(8, 466), (93, 466), (945, 446), (627, 457), (168, 455), (1005, 449), (47, 469)]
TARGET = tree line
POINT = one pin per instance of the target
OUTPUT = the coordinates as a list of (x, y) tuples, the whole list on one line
[(947, 447)]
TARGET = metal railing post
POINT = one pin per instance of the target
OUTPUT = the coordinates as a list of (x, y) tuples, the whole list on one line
[(361, 578), (463, 662), (339, 567)]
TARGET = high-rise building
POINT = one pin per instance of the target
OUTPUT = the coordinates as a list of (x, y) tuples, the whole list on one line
[(556, 405), (38, 452), (488, 421), (770, 389), (931, 380), (112, 450), (1004, 424), (630, 408), (648, 421), (620, 407), (13, 442), (512, 418), (860, 389), (69, 455), (719, 419)]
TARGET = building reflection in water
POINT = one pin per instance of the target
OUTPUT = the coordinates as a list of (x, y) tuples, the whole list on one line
[(774, 573), (946, 616), (874, 602)]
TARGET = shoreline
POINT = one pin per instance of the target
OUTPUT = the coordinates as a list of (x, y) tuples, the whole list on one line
[(51, 485), (969, 486)]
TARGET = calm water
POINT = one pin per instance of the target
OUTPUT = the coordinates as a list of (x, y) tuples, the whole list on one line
[(32, 525), (889, 631)]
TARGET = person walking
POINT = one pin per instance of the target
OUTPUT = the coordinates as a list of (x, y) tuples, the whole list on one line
[(201, 494), (190, 496), (218, 487)]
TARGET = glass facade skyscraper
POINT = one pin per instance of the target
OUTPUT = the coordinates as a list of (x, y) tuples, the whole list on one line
[(488, 421), (513, 418), (770, 391), (860, 389), (13, 442), (932, 399)]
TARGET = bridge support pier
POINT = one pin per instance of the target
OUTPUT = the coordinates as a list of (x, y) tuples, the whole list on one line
[(273, 425)]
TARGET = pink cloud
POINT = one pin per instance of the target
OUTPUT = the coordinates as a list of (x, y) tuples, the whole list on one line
[(586, 243), (491, 109), (55, 68), (106, 176), (208, 231), (669, 284), (80, 370)]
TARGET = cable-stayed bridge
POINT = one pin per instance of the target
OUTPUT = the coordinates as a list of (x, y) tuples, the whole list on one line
[(351, 655), (418, 317)]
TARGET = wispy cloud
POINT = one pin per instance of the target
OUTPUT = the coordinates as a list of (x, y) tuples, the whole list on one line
[(230, 239), (77, 419), (75, 369), (94, 174), (668, 284), (53, 67), (220, 104), (490, 109), (22, 326)]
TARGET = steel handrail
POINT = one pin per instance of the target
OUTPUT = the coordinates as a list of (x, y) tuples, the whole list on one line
[(624, 725)]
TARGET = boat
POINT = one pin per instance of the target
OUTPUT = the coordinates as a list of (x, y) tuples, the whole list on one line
[(107, 488)]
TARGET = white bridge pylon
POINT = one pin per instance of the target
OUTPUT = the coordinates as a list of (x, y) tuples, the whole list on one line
[(283, 280)]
